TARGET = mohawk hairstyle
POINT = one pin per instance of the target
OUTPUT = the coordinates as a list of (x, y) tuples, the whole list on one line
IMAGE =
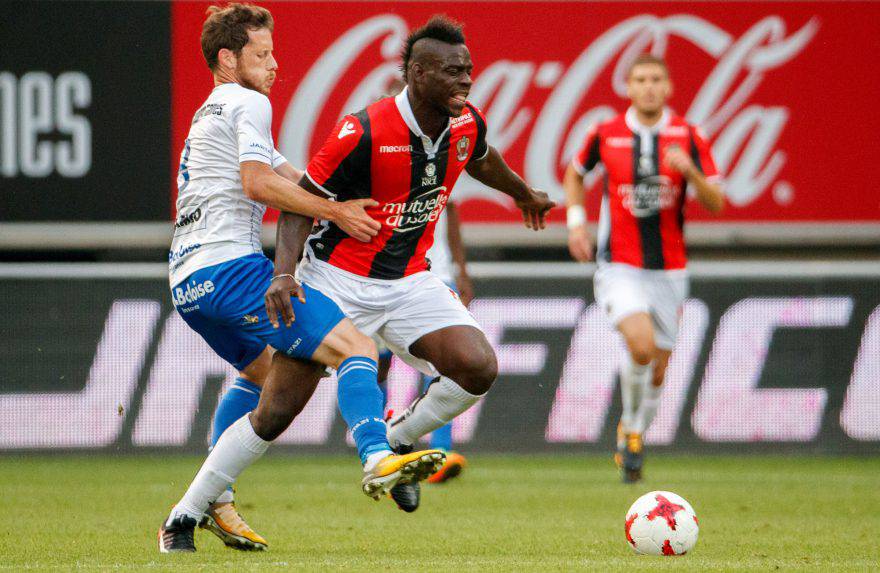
[(440, 28)]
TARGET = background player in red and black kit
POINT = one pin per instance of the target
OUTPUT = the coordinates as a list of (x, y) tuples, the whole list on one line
[(650, 156), (406, 152)]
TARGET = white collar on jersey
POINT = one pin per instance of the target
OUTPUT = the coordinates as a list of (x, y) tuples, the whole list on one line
[(632, 122), (431, 147)]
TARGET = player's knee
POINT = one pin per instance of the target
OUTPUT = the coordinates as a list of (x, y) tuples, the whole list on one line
[(642, 351), (488, 371), (477, 369), (362, 345)]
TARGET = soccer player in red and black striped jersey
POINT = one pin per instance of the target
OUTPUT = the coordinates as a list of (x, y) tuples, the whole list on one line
[(652, 160), (406, 152)]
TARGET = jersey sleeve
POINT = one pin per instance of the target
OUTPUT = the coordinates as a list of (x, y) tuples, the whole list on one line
[(331, 168), (701, 154), (277, 159), (481, 147), (588, 156), (253, 129)]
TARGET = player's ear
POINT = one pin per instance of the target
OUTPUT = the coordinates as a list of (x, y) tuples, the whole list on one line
[(227, 58), (416, 70)]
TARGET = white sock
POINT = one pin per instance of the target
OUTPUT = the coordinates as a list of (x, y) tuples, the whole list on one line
[(634, 378), (374, 459), (237, 448), (441, 402), (648, 408), (225, 497)]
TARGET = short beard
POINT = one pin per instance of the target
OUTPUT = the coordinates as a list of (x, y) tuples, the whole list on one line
[(245, 82)]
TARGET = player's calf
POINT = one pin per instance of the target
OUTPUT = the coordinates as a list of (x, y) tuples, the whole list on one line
[(286, 392)]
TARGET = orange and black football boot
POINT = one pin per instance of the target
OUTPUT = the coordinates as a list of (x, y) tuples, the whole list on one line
[(224, 521), (455, 464)]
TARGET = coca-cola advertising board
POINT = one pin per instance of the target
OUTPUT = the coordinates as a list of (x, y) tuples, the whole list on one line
[(783, 90)]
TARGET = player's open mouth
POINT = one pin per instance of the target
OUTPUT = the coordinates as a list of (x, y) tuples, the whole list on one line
[(459, 98)]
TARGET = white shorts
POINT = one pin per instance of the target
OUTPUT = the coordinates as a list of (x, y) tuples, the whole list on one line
[(397, 312), (622, 290)]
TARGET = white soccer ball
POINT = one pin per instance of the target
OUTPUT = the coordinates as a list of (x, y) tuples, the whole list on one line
[(661, 523)]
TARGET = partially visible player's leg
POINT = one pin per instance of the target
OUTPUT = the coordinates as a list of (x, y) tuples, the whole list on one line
[(430, 329), (635, 378), (651, 399), (406, 495), (636, 372), (360, 400), (668, 291), (243, 396), (621, 292), (240, 399), (222, 517), (361, 403), (289, 385), (385, 357), (441, 439), (238, 292), (467, 366)]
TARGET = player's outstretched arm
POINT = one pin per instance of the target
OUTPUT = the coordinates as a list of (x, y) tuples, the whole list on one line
[(493, 171), (263, 185)]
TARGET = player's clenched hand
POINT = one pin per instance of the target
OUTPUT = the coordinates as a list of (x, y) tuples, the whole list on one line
[(676, 158), (579, 244), (352, 218), (278, 296), (534, 209)]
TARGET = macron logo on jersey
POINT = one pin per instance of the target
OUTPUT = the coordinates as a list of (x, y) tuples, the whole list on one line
[(624, 142), (395, 148), (347, 129)]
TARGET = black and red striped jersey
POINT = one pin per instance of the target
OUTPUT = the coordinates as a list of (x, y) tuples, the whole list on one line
[(641, 221), (382, 153)]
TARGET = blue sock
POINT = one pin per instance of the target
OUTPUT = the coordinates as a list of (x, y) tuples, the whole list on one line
[(242, 398), (441, 438), (360, 402)]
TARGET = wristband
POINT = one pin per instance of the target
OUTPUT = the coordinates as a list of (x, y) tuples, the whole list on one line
[(576, 216), (283, 275)]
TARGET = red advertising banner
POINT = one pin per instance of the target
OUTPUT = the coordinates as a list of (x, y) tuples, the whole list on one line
[(783, 90)]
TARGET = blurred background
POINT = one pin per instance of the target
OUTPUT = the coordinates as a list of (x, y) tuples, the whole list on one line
[(780, 342)]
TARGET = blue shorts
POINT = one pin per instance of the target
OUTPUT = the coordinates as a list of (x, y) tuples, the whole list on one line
[(224, 304)]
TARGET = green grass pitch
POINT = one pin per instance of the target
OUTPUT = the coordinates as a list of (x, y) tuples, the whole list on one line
[(518, 513)]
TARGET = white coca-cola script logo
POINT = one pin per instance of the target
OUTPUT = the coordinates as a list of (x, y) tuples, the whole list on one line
[(745, 134)]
